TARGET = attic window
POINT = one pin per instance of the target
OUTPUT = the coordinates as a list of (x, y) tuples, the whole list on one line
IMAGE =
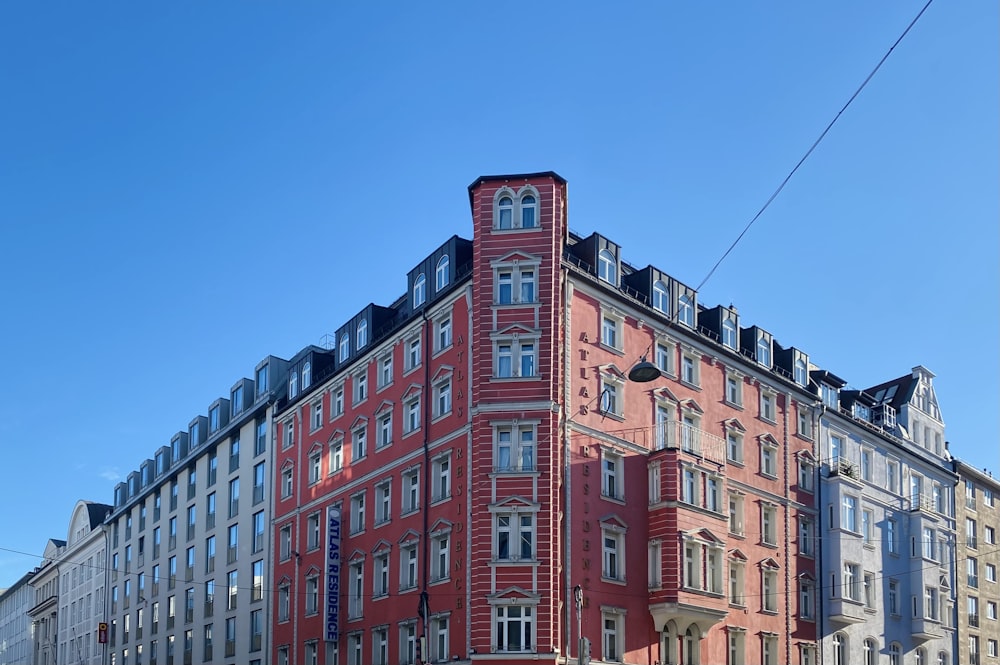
[(607, 268)]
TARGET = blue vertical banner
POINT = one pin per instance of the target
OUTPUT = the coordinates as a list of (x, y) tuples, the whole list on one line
[(332, 574)]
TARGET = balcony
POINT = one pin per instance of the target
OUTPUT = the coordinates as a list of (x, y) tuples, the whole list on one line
[(925, 628), (847, 611), (974, 620)]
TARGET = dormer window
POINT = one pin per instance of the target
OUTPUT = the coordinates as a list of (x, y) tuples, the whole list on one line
[(262, 381), (442, 275), (345, 347), (306, 375), (505, 219), (293, 385), (764, 351), (729, 333), (607, 267), (801, 375), (685, 310), (660, 296), (862, 412), (419, 290), (362, 336), (829, 395), (528, 212)]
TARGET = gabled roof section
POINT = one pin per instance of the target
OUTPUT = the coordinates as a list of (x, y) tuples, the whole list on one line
[(413, 389), (513, 256), (770, 563), (386, 405), (512, 503), (663, 392), (443, 371), (613, 520), (512, 593), (693, 405), (408, 536), (734, 423), (738, 555), (381, 546), (704, 534), (513, 329)]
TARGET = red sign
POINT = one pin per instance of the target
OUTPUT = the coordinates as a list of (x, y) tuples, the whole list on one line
[(102, 633)]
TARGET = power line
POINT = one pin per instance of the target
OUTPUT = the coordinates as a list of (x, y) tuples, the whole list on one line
[(822, 135)]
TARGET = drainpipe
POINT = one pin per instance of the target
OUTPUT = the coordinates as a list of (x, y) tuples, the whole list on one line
[(567, 476), (423, 610), (818, 551)]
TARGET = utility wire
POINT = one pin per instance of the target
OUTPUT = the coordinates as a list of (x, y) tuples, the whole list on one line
[(812, 147)]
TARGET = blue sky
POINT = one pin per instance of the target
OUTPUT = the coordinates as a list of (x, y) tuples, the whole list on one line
[(188, 187)]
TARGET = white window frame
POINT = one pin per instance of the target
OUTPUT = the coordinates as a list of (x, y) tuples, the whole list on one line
[(442, 273), (410, 498), (768, 405), (513, 528), (443, 337), (666, 356), (661, 297), (768, 457), (441, 478), (515, 447), (613, 552), (442, 397), (419, 290), (385, 370), (383, 502), (607, 267), (734, 389), (521, 352), (515, 282), (768, 523), (612, 475), (690, 370), (336, 454), (504, 620), (612, 634), (525, 199)]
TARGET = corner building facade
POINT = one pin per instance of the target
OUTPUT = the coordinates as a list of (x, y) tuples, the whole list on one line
[(473, 475)]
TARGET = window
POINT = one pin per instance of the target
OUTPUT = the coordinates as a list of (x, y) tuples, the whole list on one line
[(807, 536), (607, 267), (442, 398), (852, 582), (515, 448), (381, 575), (411, 491), (408, 566), (689, 486), (232, 590), (611, 335), (407, 644), (801, 372), (869, 652), (287, 482), (991, 610), (665, 353), (990, 535), (289, 439), (336, 455), (258, 483), (736, 513), (866, 464), (769, 647), (412, 353), (515, 283), (345, 345), (991, 572), (514, 628), (690, 369), (316, 421), (867, 526), (442, 274), (805, 422), (312, 532), (337, 402), (685, 310), (661, 296), (891, 536), (385, 371), (894, 654), (734, 445), (870, 590), (611, 636), (360, 387), (892, 598), (655, 560), (768, 524), (807, 474), (440, 557), (839, 649), (729, 333), (442, 334), (737, 646), (258, 532), (515, 536), (380, 646), (611, 469), (361, 339), (613, 559), (768, 458), (849, 513), (312, 595), (769, 581), (737, 572), (419, 290), (441, 478), (357, 513), (612, 401), (383, 502), (807, 599), (505, 213), (734, 390), (315, 466), (356, 584), (260, 443), (412, 412), (892, 476), (285, 542), (972, 572), (233, 534), (970, 533), (767, 406), (359, 443), (529, 214)]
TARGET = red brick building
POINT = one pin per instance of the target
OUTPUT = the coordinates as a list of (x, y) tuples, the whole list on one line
[(501, 482)]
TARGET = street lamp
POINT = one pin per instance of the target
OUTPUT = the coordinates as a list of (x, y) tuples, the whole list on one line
[(644, 372)]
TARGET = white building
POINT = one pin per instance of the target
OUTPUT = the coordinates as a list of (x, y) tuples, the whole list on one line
[(887, 524), (15, 636), (44, 612), (82, 584)]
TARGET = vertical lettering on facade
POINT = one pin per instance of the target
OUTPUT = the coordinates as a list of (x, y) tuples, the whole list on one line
[(332, 575)]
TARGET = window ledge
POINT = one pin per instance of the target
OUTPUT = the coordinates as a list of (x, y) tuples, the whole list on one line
[(510, 379), (515, 305), (769, 476), (383, 387), (514, 473), (439, 581), (411, 433), (693, 386), (613, 416), (440, 417), (734, 405), (736, 463), (410, 370), (772, 421), (531, 229), (772, 546), (511, 563), (613, 499), (613, 580), (612, 349), (441, 351)]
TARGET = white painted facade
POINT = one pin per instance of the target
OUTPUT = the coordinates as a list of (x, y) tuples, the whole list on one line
[(82, 585), (15, 633)]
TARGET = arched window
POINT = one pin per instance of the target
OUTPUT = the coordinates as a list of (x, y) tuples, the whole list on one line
[(442, 276), (764, 351), (869, 652), (660, 296), (685, 310), (839, 649), (506, 212), (362, 333), (921, 658), (895, 653), (419, 290), (306, 375), (801, 377), (345, 347), (692, 655), (942, 658), (529, 209), (607, 268), (729, 333), (293, 384)]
